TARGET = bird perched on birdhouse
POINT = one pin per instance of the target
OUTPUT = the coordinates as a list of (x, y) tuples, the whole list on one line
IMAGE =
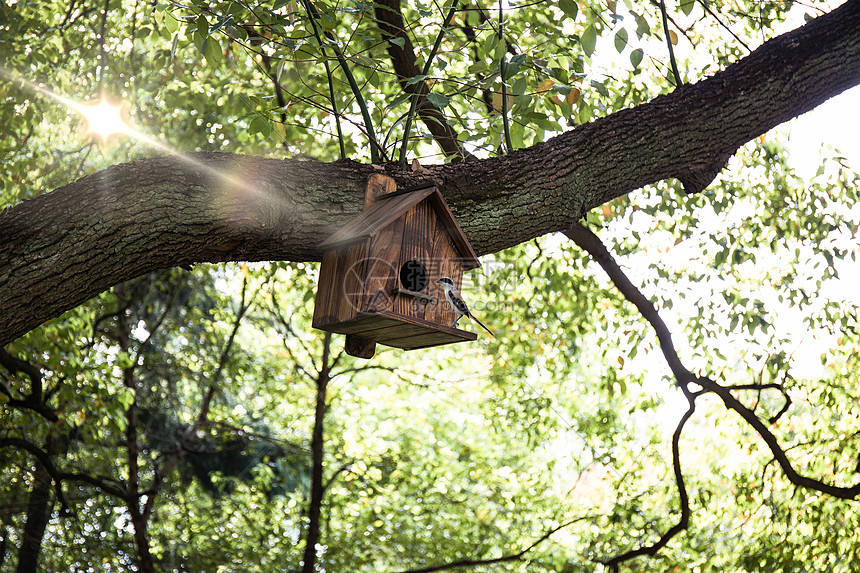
[(379, 277)]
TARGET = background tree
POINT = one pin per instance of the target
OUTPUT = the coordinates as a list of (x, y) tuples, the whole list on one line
[(189, 418)]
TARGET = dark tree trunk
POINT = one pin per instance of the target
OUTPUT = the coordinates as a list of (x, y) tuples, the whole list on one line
[(40, 506), (61, 248), (317, 460)]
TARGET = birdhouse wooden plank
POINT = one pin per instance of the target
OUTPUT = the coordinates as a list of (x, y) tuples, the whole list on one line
[(377, 283)]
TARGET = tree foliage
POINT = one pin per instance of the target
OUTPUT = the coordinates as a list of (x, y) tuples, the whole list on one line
[(692, 400)]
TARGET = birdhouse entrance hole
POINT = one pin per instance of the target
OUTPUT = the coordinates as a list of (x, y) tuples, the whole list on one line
[(413, 276)]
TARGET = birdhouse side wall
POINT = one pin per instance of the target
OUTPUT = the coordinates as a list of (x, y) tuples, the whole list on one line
[(383, 267), (340, 289)]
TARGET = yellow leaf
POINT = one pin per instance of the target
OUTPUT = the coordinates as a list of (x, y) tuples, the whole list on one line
[(607, 211), (280, 131), (613, 6), (673, 37), (621, 360), (573, 96), (545, 86), (555, 99), (497, 101)]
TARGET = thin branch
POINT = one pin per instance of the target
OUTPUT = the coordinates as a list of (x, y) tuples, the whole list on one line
[(769, 386), (503, 65), (15, 365), (427, 64), (678, 81), (684, 499), (222, 361), (376, 152), (705, 7), (772, 442), (58, 476), (317, 457), (330, 88), (591, 243), (34, 400), (505, 558), (102, 51), (203, 414), (391, 24), (333, 477)]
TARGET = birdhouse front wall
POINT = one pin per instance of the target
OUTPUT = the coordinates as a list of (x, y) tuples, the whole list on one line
[(447, 263), (427, 246), (377, 274)]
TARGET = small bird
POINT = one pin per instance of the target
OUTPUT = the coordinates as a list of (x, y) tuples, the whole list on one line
[(452, 295)]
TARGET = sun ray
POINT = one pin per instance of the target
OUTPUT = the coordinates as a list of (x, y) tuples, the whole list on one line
[(105, 119)]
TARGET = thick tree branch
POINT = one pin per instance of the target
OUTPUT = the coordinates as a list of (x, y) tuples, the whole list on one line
[(61, 248), (732, 403), (590, 243)]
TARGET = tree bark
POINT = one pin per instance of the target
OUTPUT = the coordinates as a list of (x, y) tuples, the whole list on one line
[(61, 248)]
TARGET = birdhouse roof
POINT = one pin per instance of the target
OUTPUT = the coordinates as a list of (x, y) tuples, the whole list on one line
[(386, 209)]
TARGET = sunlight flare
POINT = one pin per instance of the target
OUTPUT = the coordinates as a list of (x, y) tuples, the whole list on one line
[(105, 119)]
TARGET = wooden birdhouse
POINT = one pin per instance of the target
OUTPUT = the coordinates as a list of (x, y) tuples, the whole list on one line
[(377, 282)]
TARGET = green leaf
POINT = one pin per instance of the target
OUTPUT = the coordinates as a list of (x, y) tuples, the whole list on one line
[(621, 40), (125, 398), (259, 125), (686, 6), (202, 25), (213, 51), (171, 23), (569, 7), (399, 42), (519, 86), (642, 26), (438, 100), (415, 79), (517, 134), (636, 57), (397, 101), (124, 361), (589, 40)]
